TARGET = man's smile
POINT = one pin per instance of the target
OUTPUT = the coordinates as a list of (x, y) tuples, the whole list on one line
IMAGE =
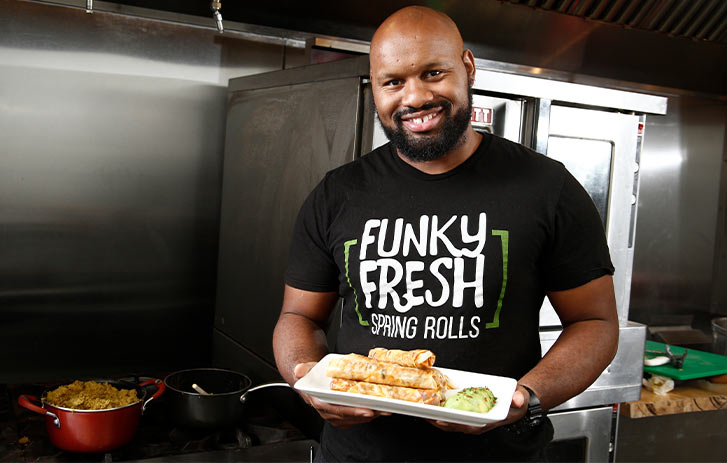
[(422, 121), (419, 122)]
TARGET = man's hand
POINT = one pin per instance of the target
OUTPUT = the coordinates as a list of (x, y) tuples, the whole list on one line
[(338, 415), (518, 407)]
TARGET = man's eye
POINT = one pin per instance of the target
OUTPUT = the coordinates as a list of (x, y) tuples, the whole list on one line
[(434, 73), (392, 83)]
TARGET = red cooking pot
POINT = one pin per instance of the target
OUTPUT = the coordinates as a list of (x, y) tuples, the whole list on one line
[(91, 431)]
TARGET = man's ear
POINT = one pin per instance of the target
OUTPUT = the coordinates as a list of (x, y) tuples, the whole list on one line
[(468, 59)]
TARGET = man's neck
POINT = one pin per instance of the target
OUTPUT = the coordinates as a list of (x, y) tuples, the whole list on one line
[(450, 160)]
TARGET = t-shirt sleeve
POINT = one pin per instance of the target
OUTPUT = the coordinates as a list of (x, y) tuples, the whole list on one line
[(311, 266), (578, 249)]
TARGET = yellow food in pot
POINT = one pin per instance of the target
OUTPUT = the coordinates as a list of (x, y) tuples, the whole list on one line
[(90, 395)]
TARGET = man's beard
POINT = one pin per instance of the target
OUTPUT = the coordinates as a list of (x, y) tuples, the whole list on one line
[(429, 148)]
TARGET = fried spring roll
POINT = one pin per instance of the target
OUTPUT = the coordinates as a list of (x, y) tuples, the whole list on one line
[(410, 394), (418, 358), (360, 368)]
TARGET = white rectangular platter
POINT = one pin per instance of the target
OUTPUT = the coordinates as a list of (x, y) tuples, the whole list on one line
[(316, 383)]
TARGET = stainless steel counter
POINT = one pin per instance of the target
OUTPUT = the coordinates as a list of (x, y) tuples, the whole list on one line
[(621, 380)]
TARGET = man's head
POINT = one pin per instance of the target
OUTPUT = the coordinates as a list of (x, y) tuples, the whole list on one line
[(421, 78)]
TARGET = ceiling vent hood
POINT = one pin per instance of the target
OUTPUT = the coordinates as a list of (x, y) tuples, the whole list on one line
[(694, 19)]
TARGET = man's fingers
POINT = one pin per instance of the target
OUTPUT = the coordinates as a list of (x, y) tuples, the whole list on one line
[(344, 416), (302, 369), (340, 410), (454, 427), (518, 399)]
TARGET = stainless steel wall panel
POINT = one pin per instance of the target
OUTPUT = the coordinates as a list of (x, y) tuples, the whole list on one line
[(719, 289), (675, 239), (112, 132), (281, 140)]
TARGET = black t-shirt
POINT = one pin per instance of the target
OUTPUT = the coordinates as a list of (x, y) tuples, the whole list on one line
[(457, 263)]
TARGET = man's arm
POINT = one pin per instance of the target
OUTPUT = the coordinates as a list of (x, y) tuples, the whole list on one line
[(584, 349), (586, 346), (299, 335), (299, 341)]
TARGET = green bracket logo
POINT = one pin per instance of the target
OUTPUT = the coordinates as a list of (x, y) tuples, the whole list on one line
[(346, 247), (504, 238)]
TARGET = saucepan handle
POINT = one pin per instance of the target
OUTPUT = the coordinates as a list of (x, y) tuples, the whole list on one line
[(25, 402), (243, 397), (160, 390)]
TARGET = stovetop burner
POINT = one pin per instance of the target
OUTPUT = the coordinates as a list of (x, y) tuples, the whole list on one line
[(23, 436)]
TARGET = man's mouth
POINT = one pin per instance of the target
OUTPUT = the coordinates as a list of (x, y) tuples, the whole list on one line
[(422, 121)]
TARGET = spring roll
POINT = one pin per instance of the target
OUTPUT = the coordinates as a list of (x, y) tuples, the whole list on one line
[(360, 368), (418, 358), (410, 394)]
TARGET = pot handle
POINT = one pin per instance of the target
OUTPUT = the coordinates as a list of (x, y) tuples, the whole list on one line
[(160, 390), (25, 402), (243, 397)]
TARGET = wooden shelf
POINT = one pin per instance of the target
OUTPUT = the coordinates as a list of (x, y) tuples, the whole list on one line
[(682, 399)]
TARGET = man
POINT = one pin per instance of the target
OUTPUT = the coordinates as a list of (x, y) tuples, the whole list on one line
[(448, 240)]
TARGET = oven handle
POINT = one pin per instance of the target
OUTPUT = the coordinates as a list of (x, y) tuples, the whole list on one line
[(25, 402)]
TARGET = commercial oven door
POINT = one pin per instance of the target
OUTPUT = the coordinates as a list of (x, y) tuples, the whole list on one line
[(601, 150)]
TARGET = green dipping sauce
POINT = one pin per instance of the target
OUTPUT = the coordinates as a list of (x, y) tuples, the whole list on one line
[(472, 399)]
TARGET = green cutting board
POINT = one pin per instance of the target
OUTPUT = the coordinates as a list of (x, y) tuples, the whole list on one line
[(698, 364)]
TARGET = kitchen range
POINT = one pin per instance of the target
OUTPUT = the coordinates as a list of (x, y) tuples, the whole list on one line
[(273, 424)]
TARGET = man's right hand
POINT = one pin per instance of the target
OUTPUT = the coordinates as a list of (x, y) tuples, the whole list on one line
[(340, 416)]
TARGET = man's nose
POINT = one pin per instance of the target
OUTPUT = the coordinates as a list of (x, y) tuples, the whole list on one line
[(416, 94)]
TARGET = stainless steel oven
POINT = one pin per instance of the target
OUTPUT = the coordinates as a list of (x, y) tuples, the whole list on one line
[(597, 134), (582, 435)]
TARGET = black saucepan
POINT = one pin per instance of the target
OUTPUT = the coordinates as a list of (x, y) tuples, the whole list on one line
[(192, 409)]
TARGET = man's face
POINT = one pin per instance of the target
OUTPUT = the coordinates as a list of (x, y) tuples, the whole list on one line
[(437, 142), (422, 94)]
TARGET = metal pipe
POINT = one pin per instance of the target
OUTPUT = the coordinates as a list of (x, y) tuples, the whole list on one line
[(89, 6), (262, 34), (215, 6)]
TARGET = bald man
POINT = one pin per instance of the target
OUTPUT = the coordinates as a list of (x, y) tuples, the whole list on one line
[(449, 240)]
